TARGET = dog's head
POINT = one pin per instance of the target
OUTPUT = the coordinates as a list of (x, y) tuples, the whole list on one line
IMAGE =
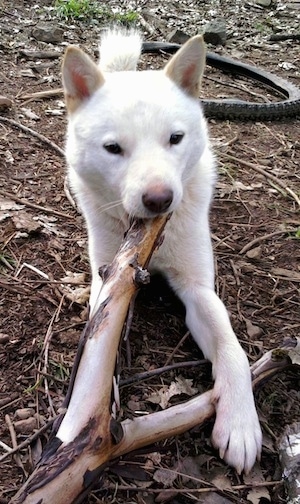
[(136, 137)]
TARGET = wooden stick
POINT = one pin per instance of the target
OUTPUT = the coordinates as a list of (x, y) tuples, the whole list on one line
[(90, 435), (87, 436)]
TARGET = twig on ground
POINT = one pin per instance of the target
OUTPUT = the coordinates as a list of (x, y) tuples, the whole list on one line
[(146, 25), (176, 348), (14, 443), (249, 245), (241, 87), (146, 375), (29, 440), (45, 352), (263, 172), (234, 488), (35, 206), (33, 133), (5, 447)]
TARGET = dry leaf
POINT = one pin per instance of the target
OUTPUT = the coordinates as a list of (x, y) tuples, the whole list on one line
[(293, 275), (79, 295), (25, 222), (253, 331), (222, 482), (8, 204), (177, 387), (191, 468), (256, 493), (165, 476)]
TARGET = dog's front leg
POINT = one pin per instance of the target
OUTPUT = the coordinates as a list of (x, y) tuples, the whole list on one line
[(236, 432)]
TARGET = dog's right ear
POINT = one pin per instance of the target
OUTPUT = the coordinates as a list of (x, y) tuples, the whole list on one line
[(81, 77)]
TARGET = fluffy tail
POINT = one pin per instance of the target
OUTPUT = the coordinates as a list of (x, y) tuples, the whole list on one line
[(120, 50)]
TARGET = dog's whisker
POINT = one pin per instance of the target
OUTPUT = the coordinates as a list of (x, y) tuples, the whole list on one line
[(109, 206)]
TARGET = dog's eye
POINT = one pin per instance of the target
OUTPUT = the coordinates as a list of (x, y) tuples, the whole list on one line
[(176, 138), (113, 148)]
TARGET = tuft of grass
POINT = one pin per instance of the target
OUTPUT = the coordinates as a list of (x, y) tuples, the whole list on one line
[(79, 9), (126, 18), (91, 9)]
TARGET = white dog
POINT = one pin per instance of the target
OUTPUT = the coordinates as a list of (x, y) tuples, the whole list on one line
[(138, 146)]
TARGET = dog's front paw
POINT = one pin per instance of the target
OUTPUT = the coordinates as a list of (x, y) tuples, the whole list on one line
[(237, 433)]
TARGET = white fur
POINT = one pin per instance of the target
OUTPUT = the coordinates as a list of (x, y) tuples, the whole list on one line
[(139, 111), (119, 50)]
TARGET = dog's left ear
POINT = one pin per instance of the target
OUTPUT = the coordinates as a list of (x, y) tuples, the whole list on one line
[(187, 65)]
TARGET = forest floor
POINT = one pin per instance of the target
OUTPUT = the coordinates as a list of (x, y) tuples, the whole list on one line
[(255, 231)]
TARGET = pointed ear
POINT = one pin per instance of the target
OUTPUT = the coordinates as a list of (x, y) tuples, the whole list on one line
[(81, 77), (187, 65)]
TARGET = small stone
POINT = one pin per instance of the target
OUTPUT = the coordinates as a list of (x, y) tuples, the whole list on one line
[(26, 426), (5, 102), (4, 338), (178, 37), (24, 413), (254, 253), (263, 3), (215, 32), (48, 33)]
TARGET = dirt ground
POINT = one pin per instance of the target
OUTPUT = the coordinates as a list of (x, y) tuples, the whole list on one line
[(255, 230)]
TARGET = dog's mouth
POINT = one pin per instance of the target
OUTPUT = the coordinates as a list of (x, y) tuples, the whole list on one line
[(145, 215), (156, 201)]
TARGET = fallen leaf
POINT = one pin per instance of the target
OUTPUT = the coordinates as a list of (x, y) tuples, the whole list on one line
[(257, 492), (192, 468), (293, 275), (79, 295), (217, 476), (8, 204), (222, 482), (177, 387), (165, 476), (24, 222), (253, 331)]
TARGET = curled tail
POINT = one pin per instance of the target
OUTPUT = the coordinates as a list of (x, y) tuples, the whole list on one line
[(119, 50)]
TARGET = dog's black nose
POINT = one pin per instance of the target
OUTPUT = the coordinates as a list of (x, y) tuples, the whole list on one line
[(157, 200)]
